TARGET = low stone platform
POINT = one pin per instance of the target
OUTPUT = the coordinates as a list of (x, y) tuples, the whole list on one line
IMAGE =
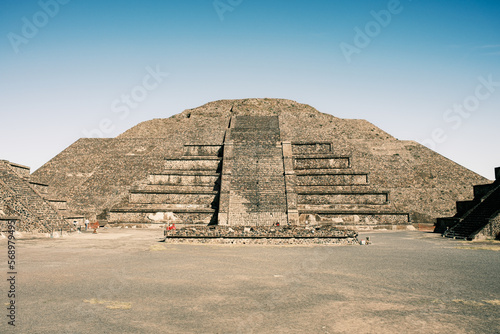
[(263, 234)]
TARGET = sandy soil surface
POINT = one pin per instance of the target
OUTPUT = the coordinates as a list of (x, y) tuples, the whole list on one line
[(126, 281)]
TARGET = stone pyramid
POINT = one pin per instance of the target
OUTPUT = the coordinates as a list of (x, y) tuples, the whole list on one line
[(257, 162)]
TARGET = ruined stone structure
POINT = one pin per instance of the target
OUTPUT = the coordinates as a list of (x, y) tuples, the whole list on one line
[(257, 162), (274, 235), (28, 202), (478, 218)]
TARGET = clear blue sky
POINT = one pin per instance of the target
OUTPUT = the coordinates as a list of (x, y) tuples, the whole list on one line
[(413, 68)]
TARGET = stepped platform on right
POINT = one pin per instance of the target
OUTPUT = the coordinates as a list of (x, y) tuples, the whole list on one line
[(330, 191), (478, 218)]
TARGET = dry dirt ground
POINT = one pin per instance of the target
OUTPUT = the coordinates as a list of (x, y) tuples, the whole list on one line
[(125, 281)]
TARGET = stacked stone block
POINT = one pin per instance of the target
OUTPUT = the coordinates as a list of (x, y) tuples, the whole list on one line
[(330, 191), (185, 192)]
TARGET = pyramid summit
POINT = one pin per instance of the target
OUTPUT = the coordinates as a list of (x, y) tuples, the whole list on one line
[(257, 162)]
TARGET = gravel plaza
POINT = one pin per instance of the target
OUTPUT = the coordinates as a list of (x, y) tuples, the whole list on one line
[(127, 281)]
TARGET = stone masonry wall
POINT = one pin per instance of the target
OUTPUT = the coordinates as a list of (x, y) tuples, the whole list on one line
[(490, 231)]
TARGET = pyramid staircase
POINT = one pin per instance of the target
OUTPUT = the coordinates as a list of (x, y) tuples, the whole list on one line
[(475, 218), (254, 178)]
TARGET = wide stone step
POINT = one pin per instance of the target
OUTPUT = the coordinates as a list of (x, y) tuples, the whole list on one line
[(342, 198), (202, 150), (182, 179), (327, 208), (330, 171), (172, 198), (193, 164), (331, 179), (188, 172), (196, 158), (311, 148), (363, 188), (176, 189), (161, 215), (164, 208), (321, 162), (181, 191), (356, 219)]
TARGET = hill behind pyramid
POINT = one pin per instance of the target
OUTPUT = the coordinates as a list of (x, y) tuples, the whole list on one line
[(257, 161)]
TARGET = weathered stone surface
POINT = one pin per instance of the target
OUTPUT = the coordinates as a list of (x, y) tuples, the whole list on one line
[(261, 232), (491, 230), (319, 152), (257, 185), (21, 200)]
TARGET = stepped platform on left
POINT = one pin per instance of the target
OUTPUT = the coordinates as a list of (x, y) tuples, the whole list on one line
[(478, 218), (186, 190), (29, 203)]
